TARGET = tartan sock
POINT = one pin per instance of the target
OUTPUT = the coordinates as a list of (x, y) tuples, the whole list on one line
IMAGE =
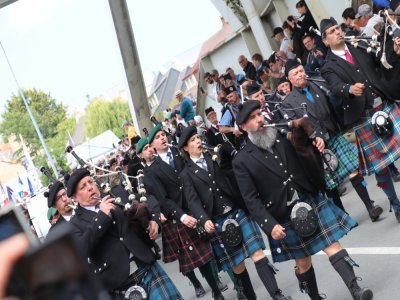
[(193, 279), (207, 272), (385, 182), (267, 275), (359, 185), (308, 283), (334, 194), (245, 282)]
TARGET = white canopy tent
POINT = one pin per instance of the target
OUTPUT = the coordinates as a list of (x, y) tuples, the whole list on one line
[(98, 146)]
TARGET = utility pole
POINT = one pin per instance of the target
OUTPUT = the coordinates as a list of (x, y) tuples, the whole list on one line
[(130, 58)]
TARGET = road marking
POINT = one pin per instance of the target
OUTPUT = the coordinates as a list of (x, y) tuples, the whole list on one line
[(363, 251)]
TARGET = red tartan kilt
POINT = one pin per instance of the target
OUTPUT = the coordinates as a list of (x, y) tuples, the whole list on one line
[(376, 153), (180, 242)]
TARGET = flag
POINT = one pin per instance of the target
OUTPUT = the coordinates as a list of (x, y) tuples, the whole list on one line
[(2, 189), (10, 193), (20, 181), (21, 187), (31, 190)]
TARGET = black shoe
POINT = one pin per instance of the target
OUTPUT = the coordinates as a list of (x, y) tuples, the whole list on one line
[(199, 290), (362, 294), (278, 296), (375, 212), (221, 286), (395, 176)]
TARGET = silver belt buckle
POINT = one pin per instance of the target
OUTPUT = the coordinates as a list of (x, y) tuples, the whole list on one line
[(327, 136), (294, 198), (377, 102), (132, 267)]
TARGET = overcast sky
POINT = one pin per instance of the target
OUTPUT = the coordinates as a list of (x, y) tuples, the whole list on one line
[(69, 47)]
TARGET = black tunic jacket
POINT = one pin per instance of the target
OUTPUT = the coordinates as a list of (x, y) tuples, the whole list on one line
[(106, 243), (267, 181), (203, 189)]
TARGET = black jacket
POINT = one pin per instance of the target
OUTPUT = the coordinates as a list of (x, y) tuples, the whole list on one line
[(319, 113), (203, 189), (267, 181), (250, 71), (165, 183), (340, 75), (213, 137), (106, 243)]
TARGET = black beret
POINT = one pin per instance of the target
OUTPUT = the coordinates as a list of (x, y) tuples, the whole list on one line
[(230, 89), (208, 110), (326, 24), (291, 64), (54, 188), (245, 110), (74, 179), (282, 80), (252, 88), (186, 134)]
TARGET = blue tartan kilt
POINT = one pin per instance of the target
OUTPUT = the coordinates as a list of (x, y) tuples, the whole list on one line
[(333, 224), (375, 152), (156, 283), (226, 256), (347, 155)]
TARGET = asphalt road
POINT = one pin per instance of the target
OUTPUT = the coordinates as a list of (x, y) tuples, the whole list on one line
[(374, 246)]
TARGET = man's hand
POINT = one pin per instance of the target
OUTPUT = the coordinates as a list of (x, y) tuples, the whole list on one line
[(278, 232), (357, 89), (190, 222), (162, 218), (319, 143), (153, 230), (107, 205), (236, 132), (209, 226)]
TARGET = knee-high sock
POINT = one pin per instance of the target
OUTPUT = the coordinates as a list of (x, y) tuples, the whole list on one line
[(308, 283), (267, 275), (359, 185), (385, 182), (193, 279), (343, 264), (207, 272), (245, 282)]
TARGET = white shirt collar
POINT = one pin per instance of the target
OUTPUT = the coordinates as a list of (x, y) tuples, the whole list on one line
[(196, 159), (164, 156), (341, 53), (92, 208)]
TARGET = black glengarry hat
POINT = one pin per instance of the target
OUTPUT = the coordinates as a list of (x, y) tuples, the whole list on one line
[(74, 178), (245, 110), (186, 134), (51, 194)]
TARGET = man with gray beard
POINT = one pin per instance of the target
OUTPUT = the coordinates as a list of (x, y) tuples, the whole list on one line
[(298, 220)]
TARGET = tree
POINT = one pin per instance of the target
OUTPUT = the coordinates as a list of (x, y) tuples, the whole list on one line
[(102, 115), (47, 113), (51, 119)]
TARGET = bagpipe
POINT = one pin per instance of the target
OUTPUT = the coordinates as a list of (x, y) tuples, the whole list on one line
[(137, 212)]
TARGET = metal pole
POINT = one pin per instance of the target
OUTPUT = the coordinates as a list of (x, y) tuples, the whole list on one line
[(49, 157)]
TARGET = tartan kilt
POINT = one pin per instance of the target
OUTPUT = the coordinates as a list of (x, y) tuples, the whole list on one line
[(333, 224), (376, 153), (347, 155), (226, 256), (180, 242), (156, 283)]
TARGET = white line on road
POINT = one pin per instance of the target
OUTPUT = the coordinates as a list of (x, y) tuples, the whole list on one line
[(364, 251)]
